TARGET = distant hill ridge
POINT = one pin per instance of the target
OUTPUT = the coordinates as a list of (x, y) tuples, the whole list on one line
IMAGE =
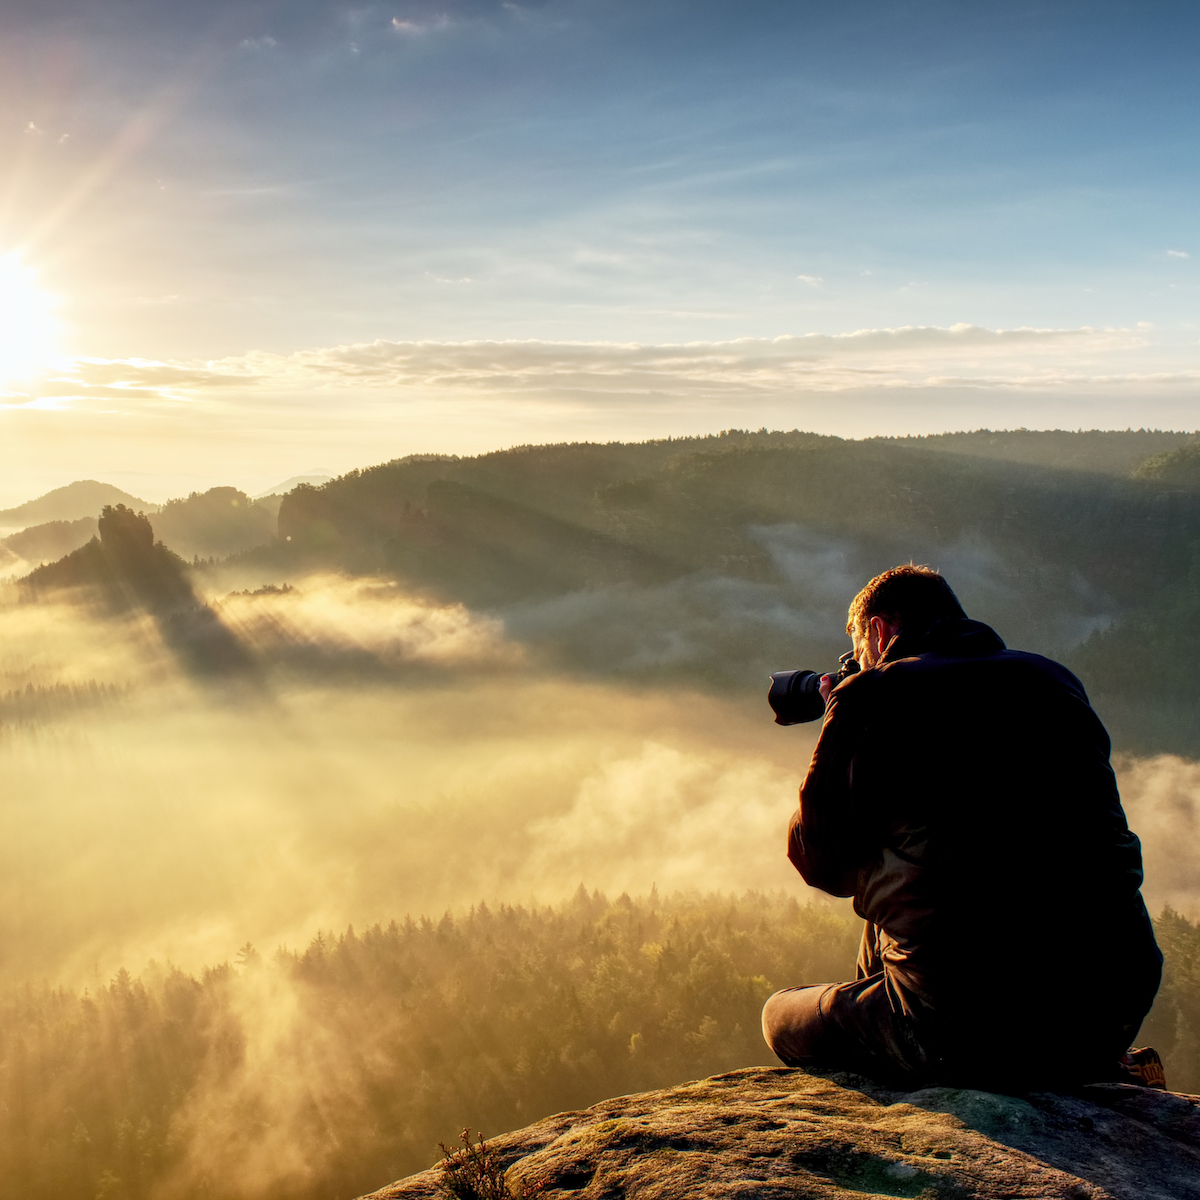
[(1117, 452), (537, 521), (316, 478), (1104, 451), (84, 498), (46, 542)]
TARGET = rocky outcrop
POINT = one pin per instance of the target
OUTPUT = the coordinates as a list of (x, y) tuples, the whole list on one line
[(782, 1133)]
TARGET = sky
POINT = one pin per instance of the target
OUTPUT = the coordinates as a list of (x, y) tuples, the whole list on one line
[(241, 241)]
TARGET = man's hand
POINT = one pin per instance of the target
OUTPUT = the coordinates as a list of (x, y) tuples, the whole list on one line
[(826, 686)]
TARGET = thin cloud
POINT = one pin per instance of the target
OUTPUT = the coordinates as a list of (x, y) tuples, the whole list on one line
[(1178, 254), (404, 26), (811, 280), (960, 355), (823, 362), (94, 375)]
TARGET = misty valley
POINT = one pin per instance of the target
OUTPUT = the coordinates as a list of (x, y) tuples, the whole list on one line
[(445, 792)]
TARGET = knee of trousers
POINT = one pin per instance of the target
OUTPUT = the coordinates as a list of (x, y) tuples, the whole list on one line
[(792, 1024)]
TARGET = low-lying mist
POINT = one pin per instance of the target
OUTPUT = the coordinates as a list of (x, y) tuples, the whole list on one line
[(389, 756), (386, 755), (724, 627)]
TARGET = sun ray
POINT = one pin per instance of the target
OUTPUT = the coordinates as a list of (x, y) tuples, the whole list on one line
[(28, 323)]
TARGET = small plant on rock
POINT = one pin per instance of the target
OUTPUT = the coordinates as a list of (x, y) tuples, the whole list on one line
[(472, 1172)]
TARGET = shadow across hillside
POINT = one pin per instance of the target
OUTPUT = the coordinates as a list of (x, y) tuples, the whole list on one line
[(123, 570)]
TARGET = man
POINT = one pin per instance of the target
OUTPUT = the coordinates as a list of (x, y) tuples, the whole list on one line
[(961, 792)]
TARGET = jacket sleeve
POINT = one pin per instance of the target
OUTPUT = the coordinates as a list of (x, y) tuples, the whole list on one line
[(825, 841)]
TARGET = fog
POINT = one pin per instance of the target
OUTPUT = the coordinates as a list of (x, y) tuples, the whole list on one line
[(393, 756), (1162, 801), (718, 628)]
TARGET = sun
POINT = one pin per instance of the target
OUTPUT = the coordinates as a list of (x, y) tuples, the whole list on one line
[(27, 320)]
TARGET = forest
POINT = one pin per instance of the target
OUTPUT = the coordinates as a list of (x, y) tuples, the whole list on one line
[(329, 1072)]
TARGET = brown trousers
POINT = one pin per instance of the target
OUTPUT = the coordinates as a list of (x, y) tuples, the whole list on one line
[(1026, 1033), (864, 1026)]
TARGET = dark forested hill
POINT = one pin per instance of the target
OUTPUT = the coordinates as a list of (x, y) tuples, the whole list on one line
[(537, 520), (218, 522), (720, 557)]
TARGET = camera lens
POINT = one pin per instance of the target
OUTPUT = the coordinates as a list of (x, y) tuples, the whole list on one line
[(795, 697)]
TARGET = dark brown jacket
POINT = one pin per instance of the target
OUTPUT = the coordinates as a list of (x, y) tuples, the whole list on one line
[(961, 792)]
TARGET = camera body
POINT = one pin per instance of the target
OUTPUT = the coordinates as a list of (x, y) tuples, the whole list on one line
[(795, 696)]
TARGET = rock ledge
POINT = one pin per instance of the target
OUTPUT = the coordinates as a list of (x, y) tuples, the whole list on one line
[(767, 1132)]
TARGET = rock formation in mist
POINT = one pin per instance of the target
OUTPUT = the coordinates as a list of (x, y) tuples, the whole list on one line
[(778, 1132), (125, 569), (124, 566)]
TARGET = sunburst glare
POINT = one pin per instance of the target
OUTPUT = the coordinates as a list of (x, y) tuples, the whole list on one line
[(28, 324)]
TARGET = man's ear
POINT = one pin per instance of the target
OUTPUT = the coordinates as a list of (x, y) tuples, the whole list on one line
[(876, 637), (882, 632)]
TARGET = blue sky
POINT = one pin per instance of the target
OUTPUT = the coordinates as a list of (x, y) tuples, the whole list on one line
[(239, 179)]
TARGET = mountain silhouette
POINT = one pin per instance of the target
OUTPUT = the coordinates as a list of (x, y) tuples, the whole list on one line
[(84, 498)]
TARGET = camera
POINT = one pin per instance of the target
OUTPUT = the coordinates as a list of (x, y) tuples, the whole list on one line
[(795, 696)]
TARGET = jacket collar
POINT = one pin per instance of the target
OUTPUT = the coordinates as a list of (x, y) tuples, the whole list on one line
[(954, 637)]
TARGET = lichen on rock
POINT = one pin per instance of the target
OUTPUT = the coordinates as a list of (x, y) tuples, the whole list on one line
[(775, 1132)]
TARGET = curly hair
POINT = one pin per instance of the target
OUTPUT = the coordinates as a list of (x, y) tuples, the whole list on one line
[(910, 596)]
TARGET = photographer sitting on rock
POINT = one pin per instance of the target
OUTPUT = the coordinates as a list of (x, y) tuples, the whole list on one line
[(961, 792)]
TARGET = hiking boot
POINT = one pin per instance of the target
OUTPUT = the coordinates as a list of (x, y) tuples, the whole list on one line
[(1144, 1067)]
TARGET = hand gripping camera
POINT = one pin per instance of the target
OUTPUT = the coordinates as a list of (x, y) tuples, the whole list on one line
[(796, 695)]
